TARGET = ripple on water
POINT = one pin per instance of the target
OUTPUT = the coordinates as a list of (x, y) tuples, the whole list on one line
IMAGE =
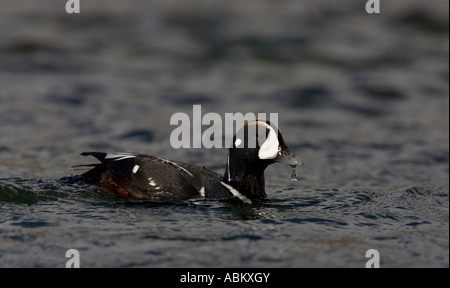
[(13, 193), (34, 191), (320, 221), (313, 217), (32, 224)]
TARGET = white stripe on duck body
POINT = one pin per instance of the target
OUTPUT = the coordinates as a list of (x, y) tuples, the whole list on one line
[(256, 146)]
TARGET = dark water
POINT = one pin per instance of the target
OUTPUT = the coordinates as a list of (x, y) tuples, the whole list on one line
[(363, 100)]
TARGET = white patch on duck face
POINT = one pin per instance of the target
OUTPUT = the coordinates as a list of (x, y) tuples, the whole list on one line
[(238, 142), (135, 168), (236, 193), (269, 149), (119, 156), (202, 192)]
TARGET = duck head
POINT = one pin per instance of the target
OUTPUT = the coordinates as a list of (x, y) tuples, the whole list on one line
[(256, 146)]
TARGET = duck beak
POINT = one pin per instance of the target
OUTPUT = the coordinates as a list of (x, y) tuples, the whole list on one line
[(285, 156)]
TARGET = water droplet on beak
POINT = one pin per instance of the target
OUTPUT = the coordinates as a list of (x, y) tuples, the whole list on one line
[(294, 173)]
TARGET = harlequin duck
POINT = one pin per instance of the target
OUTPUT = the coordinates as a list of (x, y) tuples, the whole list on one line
[(148, 177)]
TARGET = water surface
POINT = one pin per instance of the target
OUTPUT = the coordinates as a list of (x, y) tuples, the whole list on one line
[(362, 100)]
